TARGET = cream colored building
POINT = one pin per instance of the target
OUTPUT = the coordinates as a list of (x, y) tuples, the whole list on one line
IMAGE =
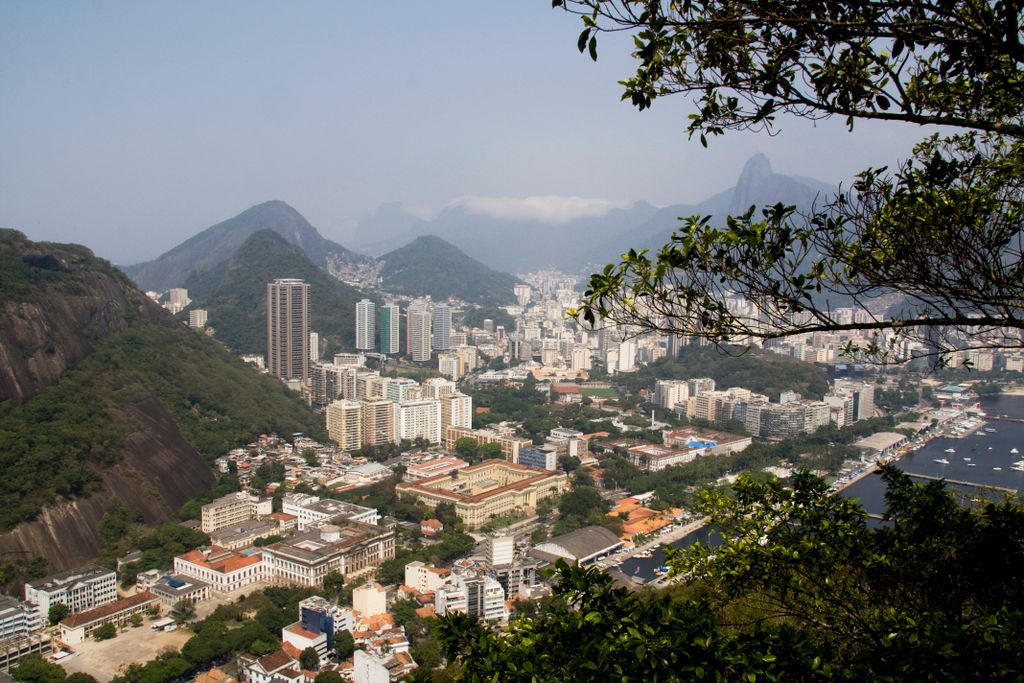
[(369, 600), (233, 509), (378, 426), (345, 424), (494, 488), (456, 410)]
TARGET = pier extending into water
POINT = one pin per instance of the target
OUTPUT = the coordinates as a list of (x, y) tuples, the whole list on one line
[(961, 483)]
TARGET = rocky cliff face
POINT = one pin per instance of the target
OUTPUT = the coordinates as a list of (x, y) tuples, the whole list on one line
[(56, 302), (158, 474)]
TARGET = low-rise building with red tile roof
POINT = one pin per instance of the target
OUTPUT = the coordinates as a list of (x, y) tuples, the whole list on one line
[(225, 570), (77, 627)]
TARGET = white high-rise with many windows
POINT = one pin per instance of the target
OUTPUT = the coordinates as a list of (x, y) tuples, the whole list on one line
[(418, 333), (366, 321), (442, 324), (389, 329), (420, 418)]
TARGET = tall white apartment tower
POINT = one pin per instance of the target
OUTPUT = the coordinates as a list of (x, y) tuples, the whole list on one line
[(366, 320), (442, 324), (389, 329), (288, 329), (418, 333), (314, 347)]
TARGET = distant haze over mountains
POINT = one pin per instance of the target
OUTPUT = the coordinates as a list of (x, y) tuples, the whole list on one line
[(234, 292), (511, 234), (218, 243), (431, 266), (499, 233)]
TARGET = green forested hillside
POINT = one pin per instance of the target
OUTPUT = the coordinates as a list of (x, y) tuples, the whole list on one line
[(59, 442), (94, 376), (430, 266), (235, 294)]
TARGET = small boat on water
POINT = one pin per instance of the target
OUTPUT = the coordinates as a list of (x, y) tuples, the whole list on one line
[(998, 469), (990, 448), (971, 464), (989, 430), (1014, 451), (942, 460), (950, 450)]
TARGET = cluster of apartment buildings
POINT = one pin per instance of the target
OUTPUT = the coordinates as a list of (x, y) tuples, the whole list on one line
[(370, 410), (847, 402)]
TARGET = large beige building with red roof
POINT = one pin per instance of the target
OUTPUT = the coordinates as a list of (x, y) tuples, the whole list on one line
[(490, 489), (225, 570)]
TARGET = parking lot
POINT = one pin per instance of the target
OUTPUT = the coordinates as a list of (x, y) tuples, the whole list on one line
[(106, 658)]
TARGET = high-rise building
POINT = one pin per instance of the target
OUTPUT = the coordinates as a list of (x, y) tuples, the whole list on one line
[(366, 320), (442, 323), (448, 365), (288, 329), (178, 297), (418, 333), (197, 318), (437, 387), (418, 419), (378, 421), (314, 347), (345, 424), (389, 329), (456, 410), (522, 293)]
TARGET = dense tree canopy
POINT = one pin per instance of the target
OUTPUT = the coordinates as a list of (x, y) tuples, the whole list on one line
[(803, 589), (940, 235)]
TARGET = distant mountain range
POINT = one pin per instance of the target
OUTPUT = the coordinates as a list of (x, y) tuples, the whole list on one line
[(431, 266), (218, 243), (234, 292), (104, 395), (523, 244), (419, 257)]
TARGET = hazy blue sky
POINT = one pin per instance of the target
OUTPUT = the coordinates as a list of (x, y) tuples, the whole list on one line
[(129, 126)]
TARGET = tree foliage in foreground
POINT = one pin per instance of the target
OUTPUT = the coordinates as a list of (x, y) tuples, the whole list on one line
[(942, 230), (803, 589)]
